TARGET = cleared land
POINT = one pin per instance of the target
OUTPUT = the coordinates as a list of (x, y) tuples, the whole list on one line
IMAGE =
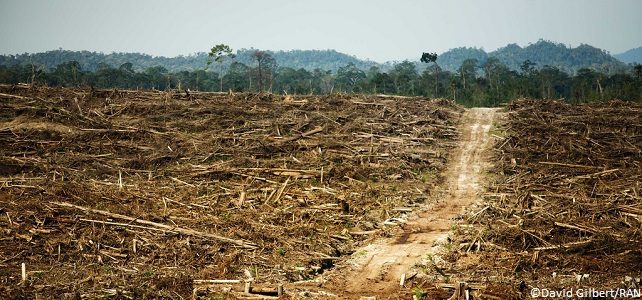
[(138, 194), (380, 267), (130, 194), (564, 209)]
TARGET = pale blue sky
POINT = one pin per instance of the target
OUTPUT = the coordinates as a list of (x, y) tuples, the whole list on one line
[(377, 30)]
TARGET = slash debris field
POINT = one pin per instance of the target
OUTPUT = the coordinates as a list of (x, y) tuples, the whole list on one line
[(147, 194), (131, 194), (565, 208)]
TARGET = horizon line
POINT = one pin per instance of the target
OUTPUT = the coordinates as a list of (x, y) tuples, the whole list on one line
[(569, 46)]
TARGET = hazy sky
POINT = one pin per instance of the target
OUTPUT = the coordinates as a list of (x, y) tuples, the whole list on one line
[(377, 30)]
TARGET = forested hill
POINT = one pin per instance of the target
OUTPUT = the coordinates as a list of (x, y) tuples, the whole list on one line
[(90, 61), (542, 53), (558, 55), (631, 56)]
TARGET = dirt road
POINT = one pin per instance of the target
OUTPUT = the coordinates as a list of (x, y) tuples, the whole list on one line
[(376, 269)]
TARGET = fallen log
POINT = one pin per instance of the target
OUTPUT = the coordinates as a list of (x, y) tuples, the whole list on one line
[(186, 231), (302, 135)]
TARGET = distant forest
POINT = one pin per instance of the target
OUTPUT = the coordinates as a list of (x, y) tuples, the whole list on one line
[(91, 61), (542, 53), (468, 75), (631, 57)]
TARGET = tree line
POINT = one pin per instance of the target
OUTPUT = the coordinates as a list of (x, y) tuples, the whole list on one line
[(90, 61), (473, 84), (542, 52)]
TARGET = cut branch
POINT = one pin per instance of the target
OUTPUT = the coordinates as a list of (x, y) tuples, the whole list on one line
[(185, 231)]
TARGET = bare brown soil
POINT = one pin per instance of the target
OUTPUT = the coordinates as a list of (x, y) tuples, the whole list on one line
[(129, 194)]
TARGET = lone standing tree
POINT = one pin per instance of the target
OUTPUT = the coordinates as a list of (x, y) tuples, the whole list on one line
[(217, 54), (266, 65), (428, 57)]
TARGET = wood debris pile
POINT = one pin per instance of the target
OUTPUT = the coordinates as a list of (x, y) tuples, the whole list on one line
[(138, 194), (567, 199)]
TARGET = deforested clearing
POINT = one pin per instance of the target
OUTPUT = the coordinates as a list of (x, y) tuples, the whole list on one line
[(563, 207), (168, 194), (138, 194)]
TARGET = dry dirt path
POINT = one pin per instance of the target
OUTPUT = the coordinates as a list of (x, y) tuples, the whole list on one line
[(377, 268)]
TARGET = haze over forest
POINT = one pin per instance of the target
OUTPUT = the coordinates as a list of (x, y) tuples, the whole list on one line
[(542, 53), (375, 29), (487, 52)]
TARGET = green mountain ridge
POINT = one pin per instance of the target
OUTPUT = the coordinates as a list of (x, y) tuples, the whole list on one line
[(91, 61), (542, 53)]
